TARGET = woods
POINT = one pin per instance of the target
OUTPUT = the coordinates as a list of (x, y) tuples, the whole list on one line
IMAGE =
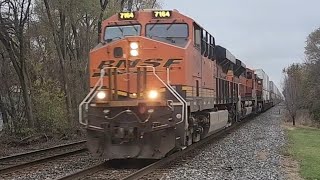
[(44, 48), (301, 84)]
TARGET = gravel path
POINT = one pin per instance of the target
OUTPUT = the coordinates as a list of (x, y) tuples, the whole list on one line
[(251, 152)]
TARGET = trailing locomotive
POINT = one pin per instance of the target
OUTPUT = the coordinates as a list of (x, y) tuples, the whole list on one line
[(160, 83)]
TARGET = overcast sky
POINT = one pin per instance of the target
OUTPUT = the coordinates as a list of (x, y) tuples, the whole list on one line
[(267, 34)]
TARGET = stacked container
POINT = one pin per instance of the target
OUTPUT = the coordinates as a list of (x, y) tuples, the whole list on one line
[(273, 90), (266, 87)]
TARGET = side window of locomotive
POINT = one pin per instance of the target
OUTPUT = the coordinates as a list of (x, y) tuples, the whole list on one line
[(203, 42), (176, 34), (197, 36), (249, 75), (211, 47), (113, 33)]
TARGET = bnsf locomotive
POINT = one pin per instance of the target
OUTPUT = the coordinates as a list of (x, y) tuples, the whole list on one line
[(160, 83)]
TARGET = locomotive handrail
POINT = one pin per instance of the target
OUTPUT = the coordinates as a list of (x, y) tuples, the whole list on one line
[(173, 91), (184, 101), (93, 92), (99, 85), (84, 101)]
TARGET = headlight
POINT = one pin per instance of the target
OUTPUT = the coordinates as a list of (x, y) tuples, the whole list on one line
[(134, 45), (153, 94), (134, 53), (101, 95)]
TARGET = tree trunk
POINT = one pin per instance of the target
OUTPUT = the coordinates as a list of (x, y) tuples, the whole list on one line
[(3, 112), (22, 75), (130, 3), (27, 100), (154, 3), (293, 120), (86, 85), (100, 26), (122, 5), (24, 80), (103, 5), (61, 54), (65, 78)]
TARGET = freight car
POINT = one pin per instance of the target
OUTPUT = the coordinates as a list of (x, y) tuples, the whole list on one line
[(160, 83)]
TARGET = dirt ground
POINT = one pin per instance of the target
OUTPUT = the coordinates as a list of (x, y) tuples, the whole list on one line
[(290, 167)]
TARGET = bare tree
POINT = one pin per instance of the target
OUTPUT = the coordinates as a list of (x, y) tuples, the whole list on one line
[(122, 4), (14, 16), (312, 49), (3, 112), (103, 5), (130, 3), (292, 90), (61, 51), (136, 5)]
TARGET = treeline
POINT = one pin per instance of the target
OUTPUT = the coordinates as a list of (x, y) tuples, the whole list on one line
[(44, 49), (302, 81)]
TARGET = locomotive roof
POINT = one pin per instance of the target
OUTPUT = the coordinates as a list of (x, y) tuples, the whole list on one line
[(239, 68), (147, 16), (228, 60), (224, 54)]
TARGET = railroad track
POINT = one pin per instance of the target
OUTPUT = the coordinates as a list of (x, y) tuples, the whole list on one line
[(152, 167), (19, 161), (107, 171), (104, 170)]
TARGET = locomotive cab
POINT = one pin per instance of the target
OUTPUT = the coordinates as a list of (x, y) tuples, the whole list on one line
[(134, 109)]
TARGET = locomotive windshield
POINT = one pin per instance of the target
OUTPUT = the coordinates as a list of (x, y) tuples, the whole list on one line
[(119, 32), (176, 34)]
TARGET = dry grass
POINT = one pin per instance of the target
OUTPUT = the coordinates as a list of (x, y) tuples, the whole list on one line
[(290, 166), (289, 126), (303, 120)]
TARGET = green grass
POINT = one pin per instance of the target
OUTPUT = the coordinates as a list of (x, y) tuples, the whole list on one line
[(305, 147)]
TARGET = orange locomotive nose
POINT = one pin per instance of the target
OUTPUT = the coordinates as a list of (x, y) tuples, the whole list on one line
[(136, 76), (130, 57)]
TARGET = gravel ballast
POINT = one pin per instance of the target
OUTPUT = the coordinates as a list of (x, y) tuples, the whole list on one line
[(54, 169), (251, 152), (8, 150)]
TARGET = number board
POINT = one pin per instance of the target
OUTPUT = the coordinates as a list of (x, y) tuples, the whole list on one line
[(127, 16), (162, 14)]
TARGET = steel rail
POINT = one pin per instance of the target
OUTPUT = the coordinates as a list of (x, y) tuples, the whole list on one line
[(152, 167), (39, 161), (6, 158), (85, 172)]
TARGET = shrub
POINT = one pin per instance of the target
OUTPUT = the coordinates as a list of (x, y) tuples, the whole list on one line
[(50, 110)]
